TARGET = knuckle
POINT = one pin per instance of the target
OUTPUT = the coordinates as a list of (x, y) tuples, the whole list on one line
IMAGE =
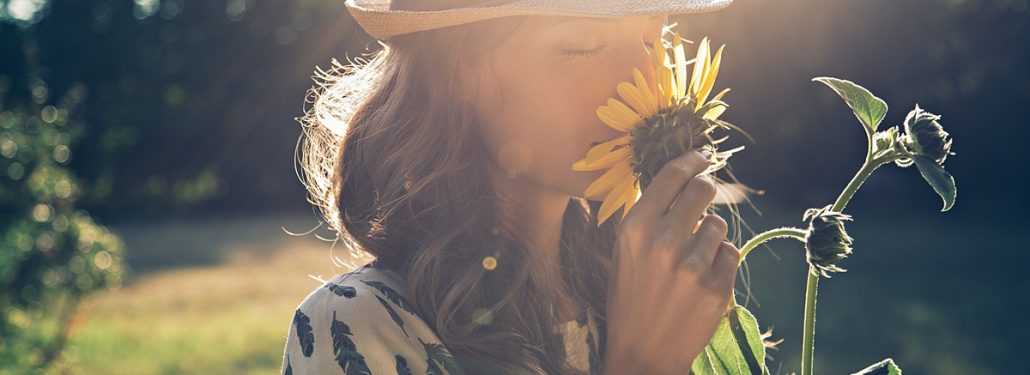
[(730, 248), (690, 274), (677, 166), (686, 163), (732, 258), (716, 224), (672, 171), (702, 186), (696, 159), (715, 285), (694, 264), (728, 258)]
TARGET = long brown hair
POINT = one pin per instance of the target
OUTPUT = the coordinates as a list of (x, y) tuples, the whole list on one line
[(398, 168)]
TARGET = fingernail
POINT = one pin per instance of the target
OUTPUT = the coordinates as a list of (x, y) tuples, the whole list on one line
[(707, 154)]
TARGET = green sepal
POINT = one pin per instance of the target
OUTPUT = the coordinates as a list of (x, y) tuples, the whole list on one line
[(885, 142), (941, 181), (884, 367), (869, 109)]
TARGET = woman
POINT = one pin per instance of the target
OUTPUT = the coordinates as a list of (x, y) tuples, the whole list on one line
[(447, 156)]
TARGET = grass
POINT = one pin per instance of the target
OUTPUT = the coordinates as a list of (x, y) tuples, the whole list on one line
[(224, 307)]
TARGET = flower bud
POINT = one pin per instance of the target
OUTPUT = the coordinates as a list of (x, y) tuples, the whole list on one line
[(826, 242), (925, 136)]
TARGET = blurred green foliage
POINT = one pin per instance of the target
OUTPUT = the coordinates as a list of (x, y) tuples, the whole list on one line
[(51, 253), (192, 102)]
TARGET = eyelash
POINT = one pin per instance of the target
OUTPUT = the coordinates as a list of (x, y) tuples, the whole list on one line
[(581, 52)]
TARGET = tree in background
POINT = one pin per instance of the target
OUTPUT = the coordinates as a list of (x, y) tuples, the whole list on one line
[(51, 254)]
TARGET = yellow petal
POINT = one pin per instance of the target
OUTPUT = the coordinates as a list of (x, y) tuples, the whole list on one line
[(721, 93), (614, 120), (614, 200), (606, 161), (634, 195), (632, 96), (680, 58), (628, 192), (663, 73), (600, 150), (710, 74), (700, 64), (666, 86), (657, 53), (714, 113), (647, 93), (607, 208), (624, 112), (609, 179)]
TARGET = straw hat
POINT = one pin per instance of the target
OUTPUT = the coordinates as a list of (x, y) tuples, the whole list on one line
[(386, 18)]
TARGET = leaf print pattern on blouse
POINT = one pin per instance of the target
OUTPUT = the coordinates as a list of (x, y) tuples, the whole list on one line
[(402, 366), (438, 354), (392, 295), (393, 315), (366, 342), (304, 334), (347, 356), (341, 290)]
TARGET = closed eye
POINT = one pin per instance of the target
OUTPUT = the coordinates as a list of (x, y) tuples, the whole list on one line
[(567, 52)]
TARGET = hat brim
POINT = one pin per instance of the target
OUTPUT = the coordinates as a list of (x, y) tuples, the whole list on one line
[(380, 22)]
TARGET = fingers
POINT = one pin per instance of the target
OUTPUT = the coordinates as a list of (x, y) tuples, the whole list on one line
[(706, 242), (692, 201), (659, 195), (724, 269)]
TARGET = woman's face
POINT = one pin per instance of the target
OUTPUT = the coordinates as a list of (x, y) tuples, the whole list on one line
[(537, 94)]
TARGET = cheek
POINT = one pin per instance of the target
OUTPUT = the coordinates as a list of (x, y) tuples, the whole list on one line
[(557, 128), (544, 122)]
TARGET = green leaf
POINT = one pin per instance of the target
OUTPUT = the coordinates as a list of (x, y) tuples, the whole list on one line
[(703, 363), (736, 347), (884, 367), (869, 109), (941, 181)]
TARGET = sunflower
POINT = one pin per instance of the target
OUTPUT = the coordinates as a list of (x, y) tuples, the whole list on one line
[(662, 120)]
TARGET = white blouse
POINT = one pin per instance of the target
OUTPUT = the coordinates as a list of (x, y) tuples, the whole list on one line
[(360, 322)]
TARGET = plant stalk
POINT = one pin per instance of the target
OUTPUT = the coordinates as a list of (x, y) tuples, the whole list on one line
[(812, 288)]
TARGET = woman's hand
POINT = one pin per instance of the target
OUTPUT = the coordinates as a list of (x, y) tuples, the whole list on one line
[(669, 286)]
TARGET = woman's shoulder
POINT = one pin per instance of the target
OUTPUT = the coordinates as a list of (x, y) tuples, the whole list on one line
[(369, 297), (358, 287), (362, 320)]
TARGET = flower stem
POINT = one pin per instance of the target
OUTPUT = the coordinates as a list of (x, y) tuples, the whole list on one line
[(751, 244), (808, 335)]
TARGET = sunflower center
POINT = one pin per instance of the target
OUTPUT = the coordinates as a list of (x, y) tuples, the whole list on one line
[(671, 132)]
